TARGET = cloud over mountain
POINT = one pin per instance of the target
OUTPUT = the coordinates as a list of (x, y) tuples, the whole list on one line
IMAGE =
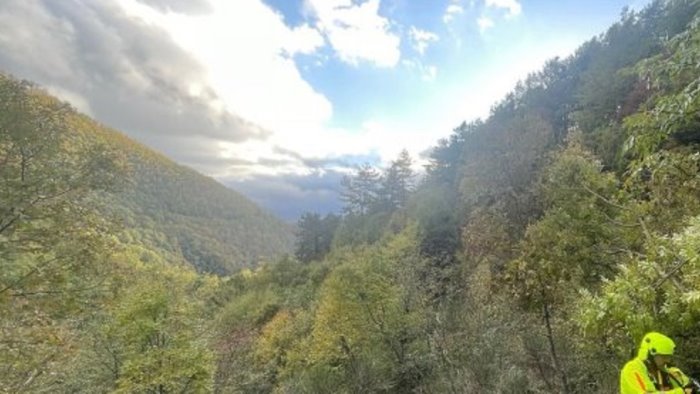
[(124, 72)]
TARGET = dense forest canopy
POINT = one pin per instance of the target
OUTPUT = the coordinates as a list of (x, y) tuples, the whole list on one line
[(539, 247)]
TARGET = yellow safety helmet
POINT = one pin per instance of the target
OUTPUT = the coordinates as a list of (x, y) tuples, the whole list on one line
[(655, 343)]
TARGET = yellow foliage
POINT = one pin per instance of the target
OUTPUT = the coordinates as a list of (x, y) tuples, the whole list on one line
[(274, 338)]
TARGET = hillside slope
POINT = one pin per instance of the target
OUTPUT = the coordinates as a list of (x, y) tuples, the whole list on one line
[(545, 241), (174, 210)]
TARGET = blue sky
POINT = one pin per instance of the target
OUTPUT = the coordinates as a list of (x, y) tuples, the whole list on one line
[(460, 54), (279, 98)]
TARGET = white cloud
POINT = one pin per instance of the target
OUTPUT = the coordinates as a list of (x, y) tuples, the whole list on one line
[(245, 48), (484, 23), (421, 39), (247, 51), (303, 39), (357, 32), (513, 6), (393, 137), (451, 12), (427, 73)]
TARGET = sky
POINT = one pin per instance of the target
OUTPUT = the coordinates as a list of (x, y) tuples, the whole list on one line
[(279, 99)]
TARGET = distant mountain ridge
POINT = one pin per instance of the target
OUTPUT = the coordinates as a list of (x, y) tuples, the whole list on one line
[(180, 213)]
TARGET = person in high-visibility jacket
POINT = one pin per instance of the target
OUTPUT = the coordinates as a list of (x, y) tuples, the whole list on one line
[(649, 371)]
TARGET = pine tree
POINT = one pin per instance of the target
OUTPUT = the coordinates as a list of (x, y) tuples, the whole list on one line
[(315, 236), (360, 190), (396, 183)]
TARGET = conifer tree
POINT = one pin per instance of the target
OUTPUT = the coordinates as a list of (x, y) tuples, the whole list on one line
[(360, 190)]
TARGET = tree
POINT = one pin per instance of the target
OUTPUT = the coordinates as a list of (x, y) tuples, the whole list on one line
[(159, 326), (659, 288), (360, 190), (501, 162), (573, 245), (445, 158), (53, 243), (396, 184), (153, 335), (366, 329), (315, 236)]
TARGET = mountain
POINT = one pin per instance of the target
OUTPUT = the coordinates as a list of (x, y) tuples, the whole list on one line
[(169, 208), (190, 215), (544, 241)]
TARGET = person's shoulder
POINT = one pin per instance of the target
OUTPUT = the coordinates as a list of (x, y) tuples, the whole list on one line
[(634, 364)]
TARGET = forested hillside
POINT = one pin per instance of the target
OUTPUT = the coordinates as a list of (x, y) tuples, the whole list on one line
[(539, 247), (190, 216), (94, 225), (160, 204)]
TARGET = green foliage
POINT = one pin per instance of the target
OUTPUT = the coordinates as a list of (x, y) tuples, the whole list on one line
[(249, 325), (153, 334), (194, 218), (315, 236), (501, 161), (487, 239), (511, 245), (656, 291), (52, 241), (367, 324), (358, 230), (80, 309), (396, 184), (673, 110), (159, 330), (375, 202), (516, 265), (445, 157), (663, 190), (574, 243), (437, 237), (480, 342), (360, 190), (52, 153)]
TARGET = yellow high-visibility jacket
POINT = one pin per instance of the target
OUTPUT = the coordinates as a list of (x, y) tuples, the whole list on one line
[(635, 379)]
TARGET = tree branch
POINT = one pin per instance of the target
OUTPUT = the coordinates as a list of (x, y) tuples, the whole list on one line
[(670, 275), (612, 204)]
